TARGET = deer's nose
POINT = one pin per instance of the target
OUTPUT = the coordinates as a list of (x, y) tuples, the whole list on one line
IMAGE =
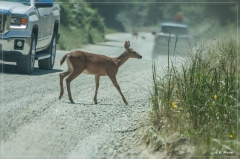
[(140, 57)]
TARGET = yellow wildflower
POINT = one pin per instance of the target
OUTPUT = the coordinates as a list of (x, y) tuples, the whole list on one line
[(230, 136), (174, 105), (215, 96)]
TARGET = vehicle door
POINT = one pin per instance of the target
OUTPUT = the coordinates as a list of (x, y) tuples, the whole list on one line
[(45, 11)]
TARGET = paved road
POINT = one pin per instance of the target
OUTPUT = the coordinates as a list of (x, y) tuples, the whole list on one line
[(35, 123)]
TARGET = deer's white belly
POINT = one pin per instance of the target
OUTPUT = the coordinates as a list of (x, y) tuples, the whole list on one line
[(95, 72)]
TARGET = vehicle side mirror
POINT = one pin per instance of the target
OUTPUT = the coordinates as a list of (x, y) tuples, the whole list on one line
[(43, 3), (153, 33)]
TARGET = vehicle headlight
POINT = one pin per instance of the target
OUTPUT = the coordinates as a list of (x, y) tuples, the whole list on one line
[(18, 22), (15, 21)]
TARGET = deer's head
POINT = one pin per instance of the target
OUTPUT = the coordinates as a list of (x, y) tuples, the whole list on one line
[(131, 53)]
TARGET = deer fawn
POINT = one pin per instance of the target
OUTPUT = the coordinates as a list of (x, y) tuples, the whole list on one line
[(94, 64), (134, 33)]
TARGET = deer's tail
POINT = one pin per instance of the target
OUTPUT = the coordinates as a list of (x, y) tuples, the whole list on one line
[(63, 59)]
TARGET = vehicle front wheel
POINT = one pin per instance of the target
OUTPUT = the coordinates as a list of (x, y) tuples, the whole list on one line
[(48, 63), (27, 66)]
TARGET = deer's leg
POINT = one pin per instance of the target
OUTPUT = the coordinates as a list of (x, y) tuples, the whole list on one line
[(114, 81), (62, 76), (74, 74), (97, 78)]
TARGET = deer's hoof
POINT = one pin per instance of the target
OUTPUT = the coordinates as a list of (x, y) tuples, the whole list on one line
[(126, 103)]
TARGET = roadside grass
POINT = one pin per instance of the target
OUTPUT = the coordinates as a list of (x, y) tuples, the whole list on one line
[(71, 39), (195, 105), (110, 30), (76, 38)]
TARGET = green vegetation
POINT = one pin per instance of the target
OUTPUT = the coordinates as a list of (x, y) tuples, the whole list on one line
[(198, 102), (80, 25)]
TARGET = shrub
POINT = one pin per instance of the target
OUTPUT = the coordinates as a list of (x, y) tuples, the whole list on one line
[(79, 25)]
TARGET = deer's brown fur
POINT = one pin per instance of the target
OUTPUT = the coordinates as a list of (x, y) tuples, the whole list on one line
[(95, 64)]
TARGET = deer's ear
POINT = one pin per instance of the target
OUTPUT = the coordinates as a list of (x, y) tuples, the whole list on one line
[(126, 45)]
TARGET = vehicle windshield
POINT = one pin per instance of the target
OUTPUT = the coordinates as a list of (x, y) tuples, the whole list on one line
[(18, 0), (21, 1), (174, 30), (25, 2)]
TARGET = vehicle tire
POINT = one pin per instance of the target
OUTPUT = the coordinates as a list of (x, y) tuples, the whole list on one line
[(48, 63), (27, 66)]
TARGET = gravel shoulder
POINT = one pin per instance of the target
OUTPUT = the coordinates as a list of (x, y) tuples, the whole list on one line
[(36, 124)]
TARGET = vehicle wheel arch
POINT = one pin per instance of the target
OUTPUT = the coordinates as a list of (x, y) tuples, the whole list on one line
[(56, 26), (35, 31)]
